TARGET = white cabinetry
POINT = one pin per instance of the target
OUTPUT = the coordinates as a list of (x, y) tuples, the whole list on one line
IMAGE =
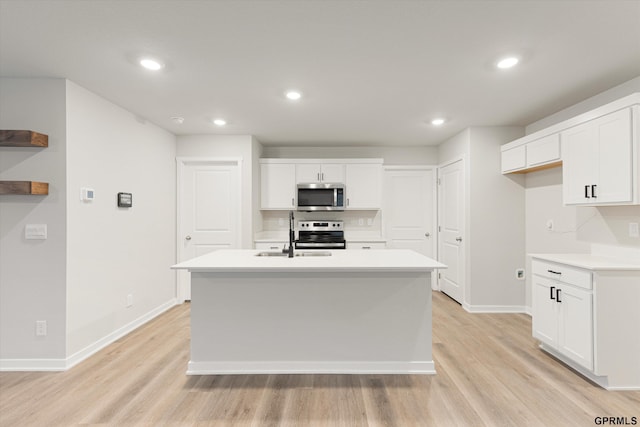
[(324, 172), (365, 245), (562, 310), (526, 155), (362, 179), (364, 185), (277, 185), (599, 161), (585, 313), (270, 246)]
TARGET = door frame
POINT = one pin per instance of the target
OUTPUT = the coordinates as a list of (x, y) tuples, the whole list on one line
[(182, 280), (434, 206), (465, 233)]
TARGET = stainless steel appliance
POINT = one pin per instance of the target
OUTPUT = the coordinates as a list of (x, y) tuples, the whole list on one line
[(321, 197), (321, 235)]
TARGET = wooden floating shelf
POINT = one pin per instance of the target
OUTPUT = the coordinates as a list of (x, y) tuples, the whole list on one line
[(23, 138), (24, 188)]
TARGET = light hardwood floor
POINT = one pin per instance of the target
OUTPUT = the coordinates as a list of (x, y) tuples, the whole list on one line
[(490, 372)]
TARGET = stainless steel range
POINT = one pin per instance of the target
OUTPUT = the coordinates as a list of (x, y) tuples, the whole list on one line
[(320, 235)]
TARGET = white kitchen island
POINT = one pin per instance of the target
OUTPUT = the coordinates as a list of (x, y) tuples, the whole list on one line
[(351, 312)]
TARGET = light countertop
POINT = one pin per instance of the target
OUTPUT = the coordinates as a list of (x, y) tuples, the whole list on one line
[(592, 262), (244, 260)]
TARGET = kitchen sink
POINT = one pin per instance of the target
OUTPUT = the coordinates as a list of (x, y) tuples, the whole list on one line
[(284, 254), (271, 254), (314, 253)]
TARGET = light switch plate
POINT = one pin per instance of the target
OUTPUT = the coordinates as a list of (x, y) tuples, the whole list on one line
[(35, 232), (634, 231)]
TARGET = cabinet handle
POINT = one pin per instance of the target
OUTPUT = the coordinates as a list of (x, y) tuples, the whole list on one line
[(593, 191), (318, 176), (322, 176), (347, 202), (554, 272), (366, 247), (551, 289), (558, 294), (292, 202), (586, 192)]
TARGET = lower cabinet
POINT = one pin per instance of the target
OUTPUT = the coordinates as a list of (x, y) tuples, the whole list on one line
[(366, 245), (270, 246), (562, 308)]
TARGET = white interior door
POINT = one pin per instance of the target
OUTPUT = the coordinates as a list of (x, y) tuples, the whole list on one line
[(408, 213), (451, 220), (209, 211)]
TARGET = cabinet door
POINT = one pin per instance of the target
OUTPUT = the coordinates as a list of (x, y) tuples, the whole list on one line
[(578, 164), (332, 172), (614, 154), (277, 186), (364, 186), (597, 161), (307, 172), (575, 338), (514, 159), (544, 311)]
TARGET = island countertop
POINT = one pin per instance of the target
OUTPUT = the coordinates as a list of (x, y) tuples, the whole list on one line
[(235, 260)]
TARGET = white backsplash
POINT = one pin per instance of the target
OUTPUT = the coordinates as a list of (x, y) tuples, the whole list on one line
[(354, 221)]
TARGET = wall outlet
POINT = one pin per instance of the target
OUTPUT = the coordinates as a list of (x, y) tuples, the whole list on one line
[(360, 221), (41, 328), (129, 300), (520, 274), (35, 232), (633, 229), (549, 224)]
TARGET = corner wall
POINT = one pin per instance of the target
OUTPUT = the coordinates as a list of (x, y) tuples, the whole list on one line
[(116, 252)]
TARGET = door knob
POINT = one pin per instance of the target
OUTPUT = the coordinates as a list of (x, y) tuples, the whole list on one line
[(427, 234), (458, 239), (188, 238)]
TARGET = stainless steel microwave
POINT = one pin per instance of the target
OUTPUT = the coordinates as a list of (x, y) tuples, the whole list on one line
[(321, 197)]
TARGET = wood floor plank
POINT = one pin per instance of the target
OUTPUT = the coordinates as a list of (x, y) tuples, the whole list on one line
[(490, 372)]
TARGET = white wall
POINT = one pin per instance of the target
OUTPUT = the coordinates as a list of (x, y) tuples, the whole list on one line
[(494, 221), (231, 146), (115, 252), (33, 272)]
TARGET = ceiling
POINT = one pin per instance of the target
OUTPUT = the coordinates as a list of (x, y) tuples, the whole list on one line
[(371, 72)]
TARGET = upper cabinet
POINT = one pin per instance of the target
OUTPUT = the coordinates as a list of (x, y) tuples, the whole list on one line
[(278, 186), (599, 152), (541, 153), (364, 186), (599, 161), (319, 172), (362, 179)]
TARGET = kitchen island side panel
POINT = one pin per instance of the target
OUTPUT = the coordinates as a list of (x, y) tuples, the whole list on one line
[(297, 322)]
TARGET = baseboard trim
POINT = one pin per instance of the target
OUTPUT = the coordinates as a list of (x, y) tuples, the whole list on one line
[(495, 308), (310, 367), (85, 353)]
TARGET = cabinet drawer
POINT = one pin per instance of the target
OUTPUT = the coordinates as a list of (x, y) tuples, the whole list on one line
[(543, 150), (265, 246), (366, 245), (562, 273)]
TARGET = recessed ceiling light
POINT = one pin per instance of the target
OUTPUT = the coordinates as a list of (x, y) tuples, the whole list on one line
[(293, 95), (437, 122), (177, 119), (507, 62), (219, 122), (151, 64)]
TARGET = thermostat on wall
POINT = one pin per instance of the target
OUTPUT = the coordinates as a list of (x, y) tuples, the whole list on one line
[(87, 194), (125, 200)]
